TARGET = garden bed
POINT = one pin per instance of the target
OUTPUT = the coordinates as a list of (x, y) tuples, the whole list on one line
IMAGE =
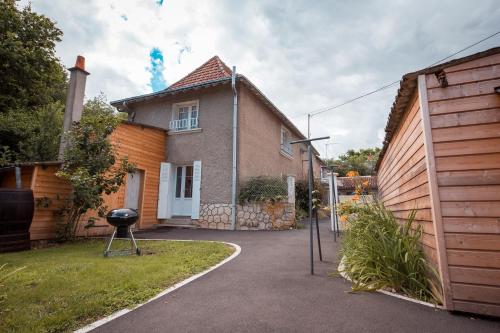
[(65, 287)]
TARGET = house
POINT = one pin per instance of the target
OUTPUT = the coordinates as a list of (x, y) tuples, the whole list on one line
[(222, 131), (441, 156)]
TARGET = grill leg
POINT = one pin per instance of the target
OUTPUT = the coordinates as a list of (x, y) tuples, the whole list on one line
[(108, 246), (134, 243)]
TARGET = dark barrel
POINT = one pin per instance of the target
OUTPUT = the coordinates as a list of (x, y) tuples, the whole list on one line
[(16, 213)]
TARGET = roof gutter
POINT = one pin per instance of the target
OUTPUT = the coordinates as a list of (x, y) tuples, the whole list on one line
[(235, 147)]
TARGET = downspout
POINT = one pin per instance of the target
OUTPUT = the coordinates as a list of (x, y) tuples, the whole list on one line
[(235, 147)]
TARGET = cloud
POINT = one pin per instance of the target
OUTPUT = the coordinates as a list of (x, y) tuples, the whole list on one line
[(157, 81), (304, 55)]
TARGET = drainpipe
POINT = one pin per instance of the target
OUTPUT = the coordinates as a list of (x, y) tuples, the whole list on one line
[(235, 147)]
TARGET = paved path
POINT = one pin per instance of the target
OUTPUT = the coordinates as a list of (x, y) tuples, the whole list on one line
[(267, 288)]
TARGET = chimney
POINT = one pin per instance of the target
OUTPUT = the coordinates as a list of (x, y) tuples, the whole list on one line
[(74, 99)]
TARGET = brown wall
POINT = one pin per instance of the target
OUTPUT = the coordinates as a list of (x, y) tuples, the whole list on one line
[(45, 184), (144, 146), (212, 145), (403, 179), (465, 122), (259, 140)]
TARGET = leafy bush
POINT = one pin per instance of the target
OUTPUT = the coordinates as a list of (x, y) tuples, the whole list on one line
[(91, 165), (378, 253), (263, 189), (302, 194)]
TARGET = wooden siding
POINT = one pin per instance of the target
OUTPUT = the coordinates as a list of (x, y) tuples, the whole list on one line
[(45, 184), (403, 179), (465, 121), (144, 146)]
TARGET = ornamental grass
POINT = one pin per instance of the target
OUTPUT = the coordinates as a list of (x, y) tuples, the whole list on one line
[(378, 253)]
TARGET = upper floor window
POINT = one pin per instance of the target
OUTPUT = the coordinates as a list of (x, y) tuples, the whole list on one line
[(286, 138), (184, 116)]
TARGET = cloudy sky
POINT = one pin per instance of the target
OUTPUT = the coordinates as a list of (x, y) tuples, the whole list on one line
[(304, 55)]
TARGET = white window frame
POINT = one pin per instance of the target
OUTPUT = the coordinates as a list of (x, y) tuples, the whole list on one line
[(173, 126), (285, 146)]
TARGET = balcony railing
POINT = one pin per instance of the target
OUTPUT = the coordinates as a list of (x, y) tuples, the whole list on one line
[(183, 124)]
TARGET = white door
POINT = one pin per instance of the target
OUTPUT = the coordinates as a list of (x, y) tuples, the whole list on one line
[(183, 191), (132, 198)]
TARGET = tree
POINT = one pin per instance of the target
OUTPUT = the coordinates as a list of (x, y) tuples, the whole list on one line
[(90, 164), (32, 83), (362, 161)]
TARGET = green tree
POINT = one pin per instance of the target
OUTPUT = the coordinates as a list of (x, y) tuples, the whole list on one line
[(90, 164), (32, 83), (363, 161)]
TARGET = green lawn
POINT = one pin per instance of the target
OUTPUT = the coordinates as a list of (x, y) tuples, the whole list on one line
[(65, 287)]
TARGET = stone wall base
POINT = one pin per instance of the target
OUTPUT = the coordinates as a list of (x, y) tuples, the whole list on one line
[(255, 216)]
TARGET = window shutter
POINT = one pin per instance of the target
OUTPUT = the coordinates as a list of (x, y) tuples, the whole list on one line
[(164, 191), (195, 200)]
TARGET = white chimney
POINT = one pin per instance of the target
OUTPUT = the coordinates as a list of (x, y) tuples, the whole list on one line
[(74, 99)]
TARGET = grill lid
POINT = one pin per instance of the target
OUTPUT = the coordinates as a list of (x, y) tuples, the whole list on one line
[(122, 217)]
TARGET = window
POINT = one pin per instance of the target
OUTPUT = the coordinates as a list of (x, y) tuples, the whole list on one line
[(286, 147), (184, 116), (178, 183), (188, 187)]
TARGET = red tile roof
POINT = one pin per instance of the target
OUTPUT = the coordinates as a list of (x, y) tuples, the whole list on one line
[(350, 183), (213, 69)]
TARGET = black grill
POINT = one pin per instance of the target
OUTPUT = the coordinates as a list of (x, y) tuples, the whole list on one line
[(122, 219)]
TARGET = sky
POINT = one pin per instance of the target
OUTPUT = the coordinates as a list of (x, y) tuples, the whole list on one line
[(303, 55)]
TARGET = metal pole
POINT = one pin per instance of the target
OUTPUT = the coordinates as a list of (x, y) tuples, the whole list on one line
[(310, 174), (235, 147), (315, 209), (308, 125), (317, 235)]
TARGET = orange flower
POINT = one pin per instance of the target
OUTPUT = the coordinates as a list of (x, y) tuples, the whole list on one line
[(343, 218), (352, 173), (366, 183), (355, 197)]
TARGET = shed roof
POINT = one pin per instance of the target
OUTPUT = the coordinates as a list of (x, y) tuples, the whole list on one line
[(407, 89)]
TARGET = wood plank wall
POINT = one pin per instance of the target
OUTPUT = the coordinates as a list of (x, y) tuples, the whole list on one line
[(465, 122), (144, 146), (403, 180), (45, 184)]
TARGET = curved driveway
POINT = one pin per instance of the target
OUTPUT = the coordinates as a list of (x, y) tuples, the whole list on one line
[(267, 288)]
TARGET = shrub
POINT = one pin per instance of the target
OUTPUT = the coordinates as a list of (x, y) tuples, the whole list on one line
[(302, 194), (263, 189), (378, 253)]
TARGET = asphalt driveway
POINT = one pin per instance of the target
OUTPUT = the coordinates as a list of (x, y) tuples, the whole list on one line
[(268, 288)]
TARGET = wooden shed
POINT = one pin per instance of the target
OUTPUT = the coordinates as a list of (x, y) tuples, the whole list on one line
[(441, 156), (144, 145)]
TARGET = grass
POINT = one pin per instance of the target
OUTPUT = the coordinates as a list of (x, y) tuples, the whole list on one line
[(65, 287)]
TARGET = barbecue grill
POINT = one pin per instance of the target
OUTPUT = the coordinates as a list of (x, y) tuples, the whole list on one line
[(122, 219)]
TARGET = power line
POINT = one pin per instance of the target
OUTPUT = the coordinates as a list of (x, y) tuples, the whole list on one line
[(322, 110)]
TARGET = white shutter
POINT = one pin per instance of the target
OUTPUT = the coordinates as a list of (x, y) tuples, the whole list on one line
[(164, 210), (195, 209)]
